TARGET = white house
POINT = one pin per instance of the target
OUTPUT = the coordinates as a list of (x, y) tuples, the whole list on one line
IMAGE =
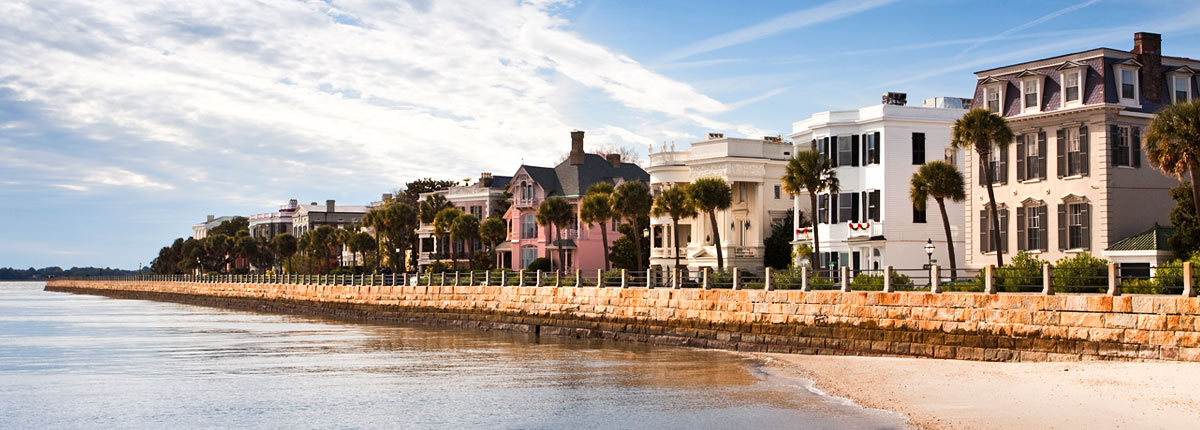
[(871, 222), (753, 168)]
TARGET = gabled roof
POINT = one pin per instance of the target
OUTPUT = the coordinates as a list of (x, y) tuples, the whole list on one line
[(1028, 72), (568, 179), (1154, 239), (1071, 65)]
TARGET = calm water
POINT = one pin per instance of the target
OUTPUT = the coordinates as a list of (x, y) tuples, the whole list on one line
[(77, 361)]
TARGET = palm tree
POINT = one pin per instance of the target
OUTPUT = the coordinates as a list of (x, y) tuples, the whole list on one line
[(284, 246), (466, 229), (596, 208), (674, 202), (982, 129), (1173, 143), (939, 180), (556, 212), (492, 231), (809, 172), (632, 201), (431, 206), (442, 223), (710, 195), (394, 223)]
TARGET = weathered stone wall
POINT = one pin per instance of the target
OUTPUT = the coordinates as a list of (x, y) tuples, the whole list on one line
[(972, 326)]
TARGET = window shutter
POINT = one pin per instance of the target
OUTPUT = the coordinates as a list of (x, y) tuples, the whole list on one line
[(1061, 146), (1004, 231), (1022, 243), (834, 200), (985, 244), (1021, 158), (982, 172), (1135, 144), (1112, 143), (1062, 228), (1003, 174), (1087, 226), (822, 208), (854, 207), (831, 143), (854, 150), (866, 148), (1043, 232), (1042, 155), (814, 144), (1084, 147), (878, 148), (866, 206), (875, 205)]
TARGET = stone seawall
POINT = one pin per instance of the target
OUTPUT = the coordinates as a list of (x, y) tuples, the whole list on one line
[(970, 326)]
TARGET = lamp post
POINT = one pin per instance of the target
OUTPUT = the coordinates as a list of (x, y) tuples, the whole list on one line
[(929, 248)]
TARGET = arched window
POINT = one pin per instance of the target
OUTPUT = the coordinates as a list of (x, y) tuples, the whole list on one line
[(529, 226)]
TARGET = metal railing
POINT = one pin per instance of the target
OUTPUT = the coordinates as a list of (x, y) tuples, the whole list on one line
[(1096, 279)]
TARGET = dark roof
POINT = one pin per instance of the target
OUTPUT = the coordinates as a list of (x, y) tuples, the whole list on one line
[(499, 182), (544, 176), (1154, 239), (574, 180)]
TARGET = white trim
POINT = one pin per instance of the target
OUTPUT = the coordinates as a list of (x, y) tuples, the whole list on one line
[(1078, 72), (1037, 82), (997, 87), (1171, 84), (1119, 76)]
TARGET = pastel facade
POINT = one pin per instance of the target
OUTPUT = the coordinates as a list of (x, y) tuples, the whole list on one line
[(486, 198), (753, 168), (270, 224), (1075, 179), (570, 179), (872, 223)]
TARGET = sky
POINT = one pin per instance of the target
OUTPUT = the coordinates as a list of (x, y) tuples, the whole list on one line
[(123, 123)]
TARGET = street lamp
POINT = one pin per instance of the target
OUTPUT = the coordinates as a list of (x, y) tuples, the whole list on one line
[(929, 251)]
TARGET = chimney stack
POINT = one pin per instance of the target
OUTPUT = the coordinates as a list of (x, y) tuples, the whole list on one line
[(614, 159), (387, 196), (715, 136), (329, 206), (895, 99), (210, 218), (1148, 48), (576, 157), (485, 179)]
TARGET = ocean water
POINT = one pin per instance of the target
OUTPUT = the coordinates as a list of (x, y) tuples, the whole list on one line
[(80, 361)]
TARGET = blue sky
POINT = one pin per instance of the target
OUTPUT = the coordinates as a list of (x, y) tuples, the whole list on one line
[(124, 123)]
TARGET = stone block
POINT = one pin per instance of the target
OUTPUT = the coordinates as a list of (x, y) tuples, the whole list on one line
[(1152, 322)]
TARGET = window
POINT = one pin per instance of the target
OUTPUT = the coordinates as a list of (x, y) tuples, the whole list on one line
[(1125, 145), (985, 230), (1071, 93), (529, 228), (823, 209), (873, 205), (1072, 151), (919, 215), (997, 162), (1031, 156), (918, 148), (847, 207), (1181, 88), (993, 96), (528, 254), (871, 145), (741, 192), (1031, 227), (1074, 224), (1128, 84), (1030, 88), (845, 148), (778, 192)]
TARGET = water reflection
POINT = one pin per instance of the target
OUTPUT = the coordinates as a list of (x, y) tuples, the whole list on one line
[(84, 361)]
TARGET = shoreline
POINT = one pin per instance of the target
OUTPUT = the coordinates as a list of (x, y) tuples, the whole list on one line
[(936, 394)]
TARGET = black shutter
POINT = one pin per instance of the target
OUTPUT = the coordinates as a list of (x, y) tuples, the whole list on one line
[(854, 210), (866, 206), (1043, 231), (854, 150), (1113, 132), (1004, 231), (1135, 144), (1083, 151), (878, 148), (834, 205), (1003, 174), (1021, 151), (833, 150), (1022, 243), (1061, 145), (822, 208), (985, 244), (1086, 214), (814, 144), (1062, 228), (1042, 155), (875, 205), (866, 149)]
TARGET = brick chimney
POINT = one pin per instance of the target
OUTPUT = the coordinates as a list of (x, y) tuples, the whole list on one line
[(210, 218), (576, 157), (386, 197), (897, 99), (329, 206), (485, 179), (1148, 48), (614, 159)]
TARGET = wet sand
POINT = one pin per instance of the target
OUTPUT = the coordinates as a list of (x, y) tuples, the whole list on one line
[(950, 394)]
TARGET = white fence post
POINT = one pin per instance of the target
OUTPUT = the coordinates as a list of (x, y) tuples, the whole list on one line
[(767, 280), (845, 275), (935, 279), (887, 280), (989, 279)]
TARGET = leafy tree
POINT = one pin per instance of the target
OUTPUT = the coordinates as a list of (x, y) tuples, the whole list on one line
[(442, 223), (395, 223), (465, 228), (431, 206), (596, 208), (414, 189), (231, 227), (778, 252), (809, 172), (982, 130), (674, 203), (939, 180), (284, 246), (492, 231), (363, 242), (709, 195), (1185, 241), (556, 212), (1173, 143), (624, 254), (631, 201), (319, 243), (541, 263)]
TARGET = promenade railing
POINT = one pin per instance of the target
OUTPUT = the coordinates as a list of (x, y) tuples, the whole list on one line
[(1113, 279)]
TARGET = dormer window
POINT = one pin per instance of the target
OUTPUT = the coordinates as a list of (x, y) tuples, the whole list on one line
[(1031, 91), (1181, 84), (1071, 87), (993, 98), (1127, 81), (993, 94), (1072, 82)]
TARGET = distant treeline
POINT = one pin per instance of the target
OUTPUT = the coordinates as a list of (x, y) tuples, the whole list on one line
[(31, 274)]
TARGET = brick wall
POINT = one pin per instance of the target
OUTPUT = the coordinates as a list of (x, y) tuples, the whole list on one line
[(972, 326)]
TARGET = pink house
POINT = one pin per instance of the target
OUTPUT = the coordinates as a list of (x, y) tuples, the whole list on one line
[(530, 185)]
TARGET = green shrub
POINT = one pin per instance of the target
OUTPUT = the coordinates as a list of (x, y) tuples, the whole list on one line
[(722, 279), (611, 278), (542, 264), (865, 282), (1023, 272), (786, 279), (1079, 272)]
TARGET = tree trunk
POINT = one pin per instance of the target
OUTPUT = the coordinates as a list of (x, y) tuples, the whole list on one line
[(1195, 189), (988, 175), (562, 253), (675, 239), (949, 240), (637, 245), (604, 239), (814, 259), (453, 255), (712, 217)]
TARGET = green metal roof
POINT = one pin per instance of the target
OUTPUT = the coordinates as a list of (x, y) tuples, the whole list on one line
[(1154, 239)]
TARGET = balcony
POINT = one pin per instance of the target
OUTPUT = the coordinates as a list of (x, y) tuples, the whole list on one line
[(526, 203), (804, 233), (864, 230)]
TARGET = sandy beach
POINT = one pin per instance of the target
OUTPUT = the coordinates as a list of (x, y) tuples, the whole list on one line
[(950, 394)]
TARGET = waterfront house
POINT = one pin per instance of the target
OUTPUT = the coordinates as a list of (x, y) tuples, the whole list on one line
[(200, 231), (570, 179), (1075, 179), (871, 222), (270, 224), (485, 198), (753, 168), (313, 215)]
